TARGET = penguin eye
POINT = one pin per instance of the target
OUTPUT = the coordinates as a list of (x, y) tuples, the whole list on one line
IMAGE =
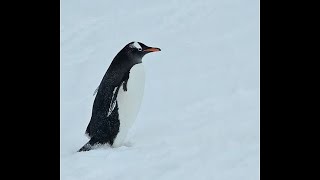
[(139, 49)]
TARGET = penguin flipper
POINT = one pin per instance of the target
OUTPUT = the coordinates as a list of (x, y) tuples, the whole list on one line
[(125, 85), (125, 81)]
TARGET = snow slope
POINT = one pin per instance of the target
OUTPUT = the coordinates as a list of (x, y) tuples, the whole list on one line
[(199, 118)]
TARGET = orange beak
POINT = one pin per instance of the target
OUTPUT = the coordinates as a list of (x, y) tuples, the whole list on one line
[(152, 49)]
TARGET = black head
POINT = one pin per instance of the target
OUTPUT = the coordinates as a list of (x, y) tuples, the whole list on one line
[(136, 50)]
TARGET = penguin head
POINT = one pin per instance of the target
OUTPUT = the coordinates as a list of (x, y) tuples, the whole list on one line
[(136, 50)]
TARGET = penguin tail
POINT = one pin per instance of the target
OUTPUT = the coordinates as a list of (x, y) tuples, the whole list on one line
[(86, 147), (90, 145)]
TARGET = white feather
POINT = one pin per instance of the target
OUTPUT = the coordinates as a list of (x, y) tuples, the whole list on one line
[(112, 103), (136, 45)]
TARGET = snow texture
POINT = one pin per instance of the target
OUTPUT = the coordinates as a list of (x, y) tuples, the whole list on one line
[(199, 118)]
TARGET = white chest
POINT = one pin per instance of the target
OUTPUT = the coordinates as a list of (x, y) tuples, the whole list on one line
[(129, 102)]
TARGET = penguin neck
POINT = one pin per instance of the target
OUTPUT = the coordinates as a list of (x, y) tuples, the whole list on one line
[(134, 58), (126, 61)]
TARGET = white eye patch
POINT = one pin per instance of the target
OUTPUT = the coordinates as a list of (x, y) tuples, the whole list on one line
[(136, 45)]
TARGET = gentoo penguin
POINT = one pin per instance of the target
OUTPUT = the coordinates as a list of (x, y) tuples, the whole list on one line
[(118, 97)]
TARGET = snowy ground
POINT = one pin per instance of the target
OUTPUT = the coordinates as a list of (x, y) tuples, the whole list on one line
[(199, 118)]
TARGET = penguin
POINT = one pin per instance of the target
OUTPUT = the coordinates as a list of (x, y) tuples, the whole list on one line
[(118, 97)]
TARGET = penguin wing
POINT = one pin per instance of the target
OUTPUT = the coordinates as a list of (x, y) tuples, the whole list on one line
[(113, 102), (125, 80)]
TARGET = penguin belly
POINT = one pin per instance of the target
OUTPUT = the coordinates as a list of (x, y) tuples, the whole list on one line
[(129, 102)]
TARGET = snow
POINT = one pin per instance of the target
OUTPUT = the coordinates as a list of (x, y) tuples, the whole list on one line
[(199, 118)]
